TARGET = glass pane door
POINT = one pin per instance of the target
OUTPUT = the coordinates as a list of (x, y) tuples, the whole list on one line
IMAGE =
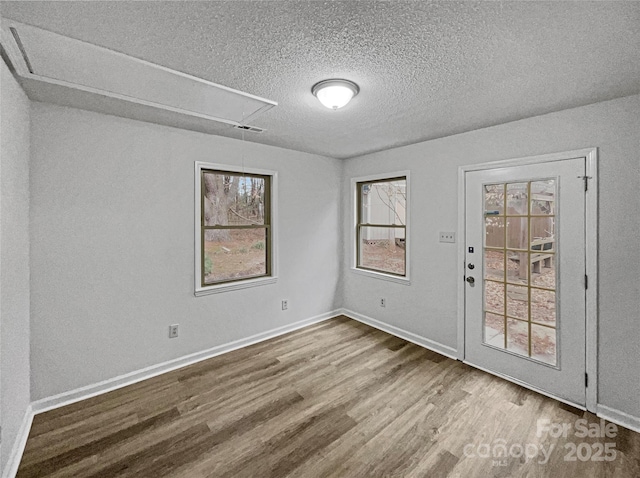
[(519, 253)]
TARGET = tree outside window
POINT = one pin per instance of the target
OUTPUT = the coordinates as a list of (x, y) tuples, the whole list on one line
[(236, 236)]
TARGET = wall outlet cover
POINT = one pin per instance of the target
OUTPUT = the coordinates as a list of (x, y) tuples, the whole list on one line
[(173, 331)]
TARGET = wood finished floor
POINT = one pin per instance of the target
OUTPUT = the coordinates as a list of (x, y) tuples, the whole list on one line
[(337, 399)]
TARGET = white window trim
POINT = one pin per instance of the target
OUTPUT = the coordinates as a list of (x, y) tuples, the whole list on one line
[(241, 284), (406, 280)]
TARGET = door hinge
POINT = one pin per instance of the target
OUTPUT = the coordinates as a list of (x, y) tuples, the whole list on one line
[(586, 181), (586, 379), (586, 281)]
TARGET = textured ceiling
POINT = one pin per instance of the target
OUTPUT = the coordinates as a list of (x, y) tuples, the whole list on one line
[(425, 69)]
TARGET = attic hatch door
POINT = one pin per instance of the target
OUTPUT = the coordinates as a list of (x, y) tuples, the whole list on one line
[(525, 291), (48, 57)]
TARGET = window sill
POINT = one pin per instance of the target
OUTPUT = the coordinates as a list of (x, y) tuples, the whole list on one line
[(216, 289), (382, 276)]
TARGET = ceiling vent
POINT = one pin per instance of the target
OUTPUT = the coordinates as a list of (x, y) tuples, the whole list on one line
[(252, 129), (51, 58)]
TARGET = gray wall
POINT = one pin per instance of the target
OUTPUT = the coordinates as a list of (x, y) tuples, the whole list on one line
[(14, 260), (112, 241), (428, 306), (112, 246)]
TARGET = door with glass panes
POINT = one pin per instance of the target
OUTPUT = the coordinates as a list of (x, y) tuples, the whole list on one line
[(525, 273)]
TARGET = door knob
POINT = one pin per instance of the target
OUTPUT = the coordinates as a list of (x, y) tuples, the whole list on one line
[(470, 280)]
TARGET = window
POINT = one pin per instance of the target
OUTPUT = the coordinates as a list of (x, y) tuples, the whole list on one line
[(234, 234), (381, 225)]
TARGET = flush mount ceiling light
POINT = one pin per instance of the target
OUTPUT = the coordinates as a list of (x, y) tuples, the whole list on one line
[(335, 94)]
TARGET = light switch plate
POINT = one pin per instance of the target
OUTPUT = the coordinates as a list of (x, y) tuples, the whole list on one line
[(447, 237)]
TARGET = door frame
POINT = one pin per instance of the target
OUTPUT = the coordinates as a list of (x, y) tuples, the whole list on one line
[(591, 257)]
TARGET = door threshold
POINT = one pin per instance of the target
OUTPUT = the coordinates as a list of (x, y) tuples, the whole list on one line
[(530, 387)]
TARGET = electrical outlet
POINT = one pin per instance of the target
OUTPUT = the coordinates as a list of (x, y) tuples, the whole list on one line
[(285, 304), (383, 302), (173, 331), (447, 237)]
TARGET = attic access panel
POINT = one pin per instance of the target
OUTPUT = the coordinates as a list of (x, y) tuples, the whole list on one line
[(52, 58)]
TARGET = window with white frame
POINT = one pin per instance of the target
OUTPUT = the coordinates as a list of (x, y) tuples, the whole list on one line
[(381, 225), (234, 233)]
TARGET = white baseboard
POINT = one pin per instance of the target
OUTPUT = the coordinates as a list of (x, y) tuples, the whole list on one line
[(82, 393), (88, 391), (403, 334), (619, 418), (11, 468)]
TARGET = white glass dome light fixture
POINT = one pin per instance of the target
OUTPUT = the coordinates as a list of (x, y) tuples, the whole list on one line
[(335, 93)]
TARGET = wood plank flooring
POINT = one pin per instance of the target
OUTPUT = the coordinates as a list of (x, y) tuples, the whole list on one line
[(337, 399)]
